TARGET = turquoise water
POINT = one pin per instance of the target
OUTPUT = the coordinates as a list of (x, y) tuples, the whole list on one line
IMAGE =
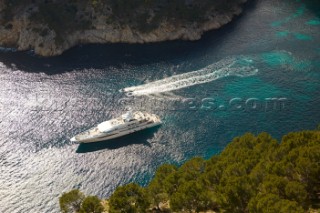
[(259, 73)]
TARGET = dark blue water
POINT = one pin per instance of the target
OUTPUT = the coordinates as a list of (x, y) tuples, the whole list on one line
[(45, 101)]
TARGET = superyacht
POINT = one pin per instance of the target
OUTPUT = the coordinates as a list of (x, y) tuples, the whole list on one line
[(127, 123)]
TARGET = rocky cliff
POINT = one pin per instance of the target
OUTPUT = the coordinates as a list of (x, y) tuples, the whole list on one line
[(51, 27)]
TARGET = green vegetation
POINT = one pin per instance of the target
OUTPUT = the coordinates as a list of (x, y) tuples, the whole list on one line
[(75, 201), (71, 201), (64, 17), (129, 198), (150, 13), (253, 174), (146, 15), (7, 12), (91, 204)]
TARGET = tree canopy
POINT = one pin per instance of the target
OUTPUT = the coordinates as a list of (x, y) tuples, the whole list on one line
[(71, 201), (91, 204), (252, 174), (130, 198)]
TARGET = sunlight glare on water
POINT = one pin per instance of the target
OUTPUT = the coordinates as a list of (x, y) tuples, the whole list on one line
[(271, 51)]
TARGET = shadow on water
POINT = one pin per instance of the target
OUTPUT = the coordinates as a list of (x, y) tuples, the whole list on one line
[(313, 6), (140, 137), (99, 56)]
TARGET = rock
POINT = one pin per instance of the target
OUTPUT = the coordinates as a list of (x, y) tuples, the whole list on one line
[(24, 34)]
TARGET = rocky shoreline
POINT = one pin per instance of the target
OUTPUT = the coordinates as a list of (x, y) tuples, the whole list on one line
[(25, 33)]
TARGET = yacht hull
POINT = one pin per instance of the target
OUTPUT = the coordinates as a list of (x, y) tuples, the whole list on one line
[(126, 124), (109, 137)]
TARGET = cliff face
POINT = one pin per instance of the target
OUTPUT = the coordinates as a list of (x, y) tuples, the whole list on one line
[(53, 27)]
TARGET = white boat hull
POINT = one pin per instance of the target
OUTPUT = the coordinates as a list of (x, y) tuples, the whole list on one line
[(118, 135), (118, 127)]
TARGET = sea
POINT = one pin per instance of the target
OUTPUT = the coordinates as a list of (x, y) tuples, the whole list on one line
[(260, 73)]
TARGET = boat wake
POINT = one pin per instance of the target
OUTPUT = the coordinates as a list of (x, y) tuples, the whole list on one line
[(241, 66)]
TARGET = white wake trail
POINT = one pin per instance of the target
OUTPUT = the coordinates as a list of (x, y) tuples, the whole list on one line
[(218, 65), (240, 66)]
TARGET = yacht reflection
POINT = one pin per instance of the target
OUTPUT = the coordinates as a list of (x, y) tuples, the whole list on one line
[(140, 137)]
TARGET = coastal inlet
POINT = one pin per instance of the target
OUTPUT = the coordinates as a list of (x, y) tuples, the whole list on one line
[(271, 51)]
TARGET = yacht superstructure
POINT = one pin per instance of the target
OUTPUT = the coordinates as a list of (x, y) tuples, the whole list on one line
[(127, 123)]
